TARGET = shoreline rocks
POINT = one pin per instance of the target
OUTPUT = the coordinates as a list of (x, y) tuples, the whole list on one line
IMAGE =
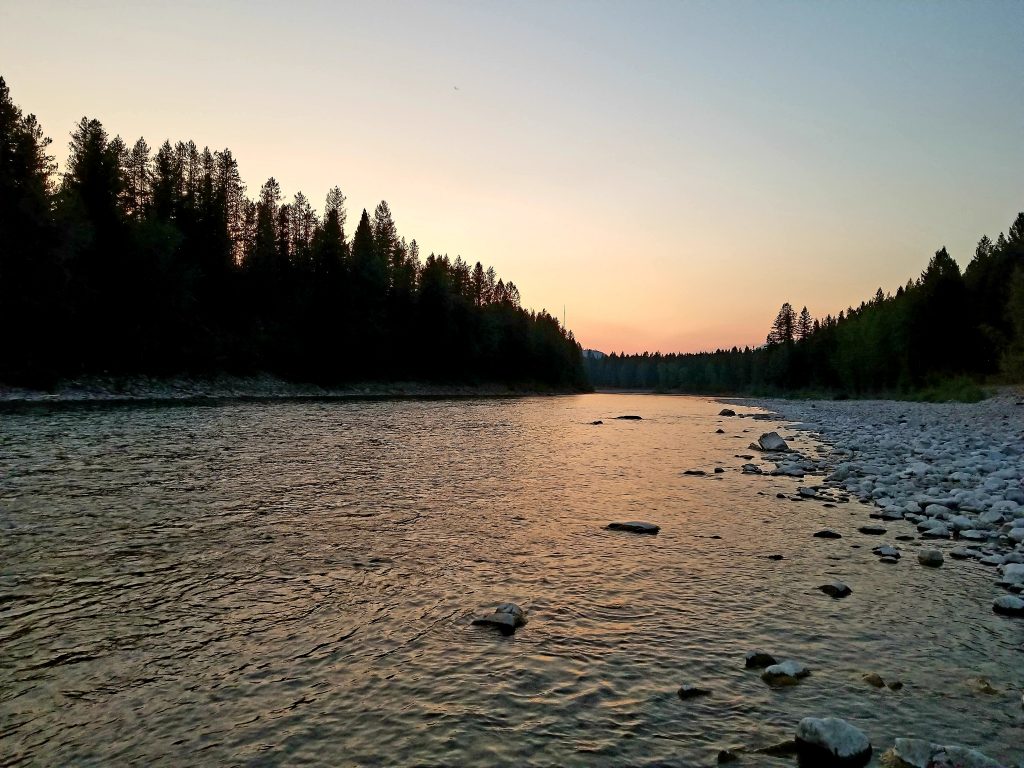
[(954, 471)]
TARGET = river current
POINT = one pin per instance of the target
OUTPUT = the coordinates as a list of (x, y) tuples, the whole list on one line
[(292, 583)]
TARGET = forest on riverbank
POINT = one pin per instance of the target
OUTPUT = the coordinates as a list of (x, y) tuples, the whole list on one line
[(942, 330), (134, 261)]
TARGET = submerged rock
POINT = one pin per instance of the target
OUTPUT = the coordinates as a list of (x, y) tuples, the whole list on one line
[(831, 741), (827, 534), (634, 526), (727, 412), (887, 550), (750, 469), (719, 431), (692, 692), (759, 660), (629, 418), (872, 530), (698, 472), (595, 423), (873, 679)]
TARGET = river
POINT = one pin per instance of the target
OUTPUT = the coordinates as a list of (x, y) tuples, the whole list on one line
[(292, 583)]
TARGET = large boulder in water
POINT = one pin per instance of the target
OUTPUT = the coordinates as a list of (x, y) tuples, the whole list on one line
[(830, 741), (634, 526), (771, 441)]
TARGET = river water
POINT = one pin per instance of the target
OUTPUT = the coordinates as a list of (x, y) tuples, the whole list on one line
[(293, 583)]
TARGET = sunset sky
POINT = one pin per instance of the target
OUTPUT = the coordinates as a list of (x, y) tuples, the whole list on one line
[(670, 172)]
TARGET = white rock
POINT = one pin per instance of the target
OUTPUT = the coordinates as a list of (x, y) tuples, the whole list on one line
[(835, 737), (787, 668)]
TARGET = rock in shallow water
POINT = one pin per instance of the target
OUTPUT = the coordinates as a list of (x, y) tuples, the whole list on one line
[(1008, 605), (930, 557), (759, 660), (836, 589), (830, 741), (872, 530), (692, 692), (771, 441), (787, 672), (827, 534), (874, 680), (507, 617), (918, 753), (634, 526)]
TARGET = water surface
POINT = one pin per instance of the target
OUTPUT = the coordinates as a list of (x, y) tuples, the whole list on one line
[(292, 584)]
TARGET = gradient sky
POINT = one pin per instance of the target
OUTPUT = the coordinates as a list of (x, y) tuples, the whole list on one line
[(671, 172)]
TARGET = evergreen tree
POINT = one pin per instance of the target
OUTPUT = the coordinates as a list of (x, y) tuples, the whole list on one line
[(784, 327), (804, 325)]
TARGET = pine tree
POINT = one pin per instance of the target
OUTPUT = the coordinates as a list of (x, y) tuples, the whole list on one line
[(804, 325), (784, 327)]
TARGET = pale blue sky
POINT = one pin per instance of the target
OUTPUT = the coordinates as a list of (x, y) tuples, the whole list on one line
[(672, 172)]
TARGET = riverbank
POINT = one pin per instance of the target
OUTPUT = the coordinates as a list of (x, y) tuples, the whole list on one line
[(948, 473), (183, 389)]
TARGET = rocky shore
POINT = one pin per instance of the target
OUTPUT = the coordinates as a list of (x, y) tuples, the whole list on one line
[(953, 471), (949, 474), (104, 389)]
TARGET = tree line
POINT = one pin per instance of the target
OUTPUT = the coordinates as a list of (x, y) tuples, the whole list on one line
[(942, 325), (135, 261)]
